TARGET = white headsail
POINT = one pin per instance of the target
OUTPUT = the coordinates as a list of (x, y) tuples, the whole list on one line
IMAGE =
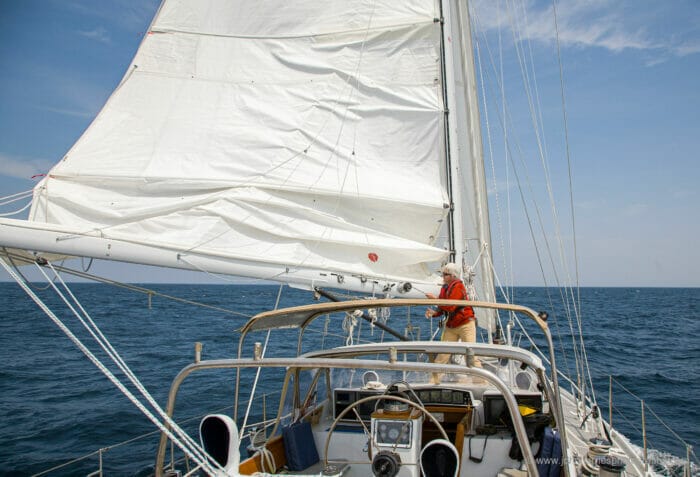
[(288, 140)]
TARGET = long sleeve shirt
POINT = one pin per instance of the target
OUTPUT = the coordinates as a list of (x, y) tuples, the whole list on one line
[(456, 315)]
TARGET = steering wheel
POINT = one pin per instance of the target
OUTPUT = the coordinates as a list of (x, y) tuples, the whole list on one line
[(379, 397)]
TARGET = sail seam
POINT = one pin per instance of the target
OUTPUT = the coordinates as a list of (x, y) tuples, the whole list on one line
[(394, 26), (253, 183)]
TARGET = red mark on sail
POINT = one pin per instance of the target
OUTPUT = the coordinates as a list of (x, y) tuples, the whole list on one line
[(373, 256), (38, 175)]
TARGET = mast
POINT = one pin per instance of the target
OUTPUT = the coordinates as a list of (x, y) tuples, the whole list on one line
[(469, 216), (455, 225)]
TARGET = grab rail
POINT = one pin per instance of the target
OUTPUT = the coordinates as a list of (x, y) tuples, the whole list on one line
[(313, 363), (301, 316)]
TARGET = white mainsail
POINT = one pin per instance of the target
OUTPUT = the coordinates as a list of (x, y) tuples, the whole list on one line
[(285, 140)]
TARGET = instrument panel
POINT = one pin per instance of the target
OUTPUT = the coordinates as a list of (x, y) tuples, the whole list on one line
[(429, 396), (444, 397)]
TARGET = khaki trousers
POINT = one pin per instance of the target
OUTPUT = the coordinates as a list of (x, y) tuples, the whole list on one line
[(466, 333)]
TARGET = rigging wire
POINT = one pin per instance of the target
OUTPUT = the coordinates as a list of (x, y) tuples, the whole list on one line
[(122, 443), (646, 406), (8, 214), (135, 288), (568, 287), (577, 300), (257, 373), (541, 143), (510, 156), (532, 93), (491, 153), (15, 198), (112, 353), (506, 151), (9, 256), (504, 121), (231, 280), (191, 451)]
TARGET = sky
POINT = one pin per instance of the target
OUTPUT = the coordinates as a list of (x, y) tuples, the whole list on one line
[(630, 76)]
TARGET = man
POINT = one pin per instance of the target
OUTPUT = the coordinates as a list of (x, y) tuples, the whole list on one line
[(461, 322)]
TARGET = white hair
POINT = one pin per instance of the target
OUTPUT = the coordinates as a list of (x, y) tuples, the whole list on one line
[(452, 269)]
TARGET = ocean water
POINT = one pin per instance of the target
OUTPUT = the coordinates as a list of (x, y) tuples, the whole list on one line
[(55, 406)]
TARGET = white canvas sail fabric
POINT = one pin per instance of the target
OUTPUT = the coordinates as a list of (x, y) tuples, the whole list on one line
[(302, 134)]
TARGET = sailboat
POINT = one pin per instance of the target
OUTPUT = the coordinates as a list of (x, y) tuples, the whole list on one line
[(328, 146)]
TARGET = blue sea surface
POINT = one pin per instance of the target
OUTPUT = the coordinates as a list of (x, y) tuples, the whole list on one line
[(55, 406)]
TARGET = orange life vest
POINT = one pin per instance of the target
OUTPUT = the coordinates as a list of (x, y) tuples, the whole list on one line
[(456, 315)]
